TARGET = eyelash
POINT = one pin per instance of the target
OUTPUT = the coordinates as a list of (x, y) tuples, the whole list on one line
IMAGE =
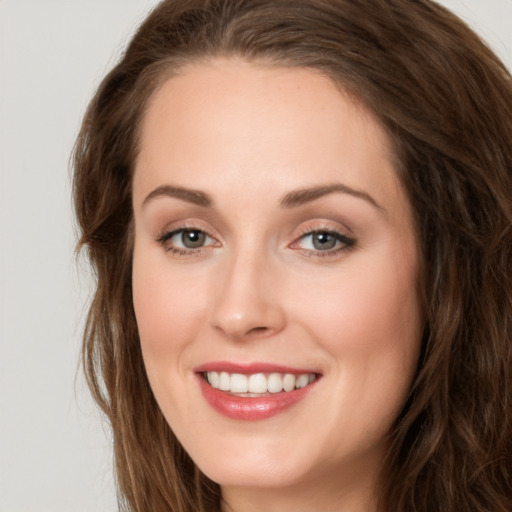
[(345, 243), (164, 239)]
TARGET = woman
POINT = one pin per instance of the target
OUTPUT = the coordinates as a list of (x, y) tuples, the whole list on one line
[(300, 218)]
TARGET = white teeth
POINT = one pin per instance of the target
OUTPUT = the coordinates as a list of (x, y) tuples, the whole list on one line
[(275, 383), (289, 382), (213, 379), (258, 383), (224, 381), (302, 381), (238, 383)]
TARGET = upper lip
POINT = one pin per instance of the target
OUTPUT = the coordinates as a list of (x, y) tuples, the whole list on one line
[(250, 368)]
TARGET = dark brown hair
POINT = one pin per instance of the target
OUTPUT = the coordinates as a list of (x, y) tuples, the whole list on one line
[(446, 101)]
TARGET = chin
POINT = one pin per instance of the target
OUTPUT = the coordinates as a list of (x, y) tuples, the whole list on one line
[(246, 473), (253, 461)]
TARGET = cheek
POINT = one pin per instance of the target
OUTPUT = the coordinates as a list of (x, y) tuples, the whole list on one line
[(168, 313), (372, 302), (370, 322), (166, 305)]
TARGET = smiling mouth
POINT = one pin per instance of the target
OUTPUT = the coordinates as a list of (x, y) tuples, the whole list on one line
[(258, 384)]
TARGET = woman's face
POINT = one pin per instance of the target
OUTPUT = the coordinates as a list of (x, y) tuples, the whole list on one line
[(274, 248)]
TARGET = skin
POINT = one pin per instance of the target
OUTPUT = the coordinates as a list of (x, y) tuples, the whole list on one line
[(259, 290)]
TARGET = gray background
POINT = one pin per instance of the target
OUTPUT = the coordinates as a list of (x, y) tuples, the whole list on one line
[(54, 450)]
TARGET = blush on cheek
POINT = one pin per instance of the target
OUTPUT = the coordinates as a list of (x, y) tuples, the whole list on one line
[(151, 310), (372, 311), (167, 308)]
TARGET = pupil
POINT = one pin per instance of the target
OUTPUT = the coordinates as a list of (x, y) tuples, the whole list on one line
[(192, 239), (323, 241)]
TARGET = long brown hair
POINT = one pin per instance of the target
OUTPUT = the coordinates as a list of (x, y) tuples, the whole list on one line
[(446, 101)]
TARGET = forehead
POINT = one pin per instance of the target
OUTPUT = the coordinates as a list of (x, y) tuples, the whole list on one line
[(229, 123)]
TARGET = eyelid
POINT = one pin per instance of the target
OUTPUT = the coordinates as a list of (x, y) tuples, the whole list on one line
[(171, 234), (343, 241), (165, 235), (347, 241), (323, 225), (185, 224), (340, 236)]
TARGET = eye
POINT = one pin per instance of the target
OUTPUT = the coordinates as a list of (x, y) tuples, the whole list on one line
[(192, 238), (184, 241), (323, 241)]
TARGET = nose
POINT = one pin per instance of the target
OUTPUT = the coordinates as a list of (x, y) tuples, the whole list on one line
[(247, 299)]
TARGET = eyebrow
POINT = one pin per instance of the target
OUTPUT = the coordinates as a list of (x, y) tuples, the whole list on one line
[(185, 194), (292, 199), (307, 195)]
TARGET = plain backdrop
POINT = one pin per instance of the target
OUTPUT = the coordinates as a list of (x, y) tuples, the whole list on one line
[(55, 451)]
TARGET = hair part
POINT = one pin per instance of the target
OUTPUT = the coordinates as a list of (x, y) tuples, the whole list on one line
[(446, 101)]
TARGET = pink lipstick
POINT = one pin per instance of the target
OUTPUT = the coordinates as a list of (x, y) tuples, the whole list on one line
[(253, 391)]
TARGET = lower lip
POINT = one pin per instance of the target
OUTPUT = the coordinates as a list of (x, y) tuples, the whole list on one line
[(251, 408)]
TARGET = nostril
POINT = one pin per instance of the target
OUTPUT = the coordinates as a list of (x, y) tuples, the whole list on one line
[(258, 330)]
